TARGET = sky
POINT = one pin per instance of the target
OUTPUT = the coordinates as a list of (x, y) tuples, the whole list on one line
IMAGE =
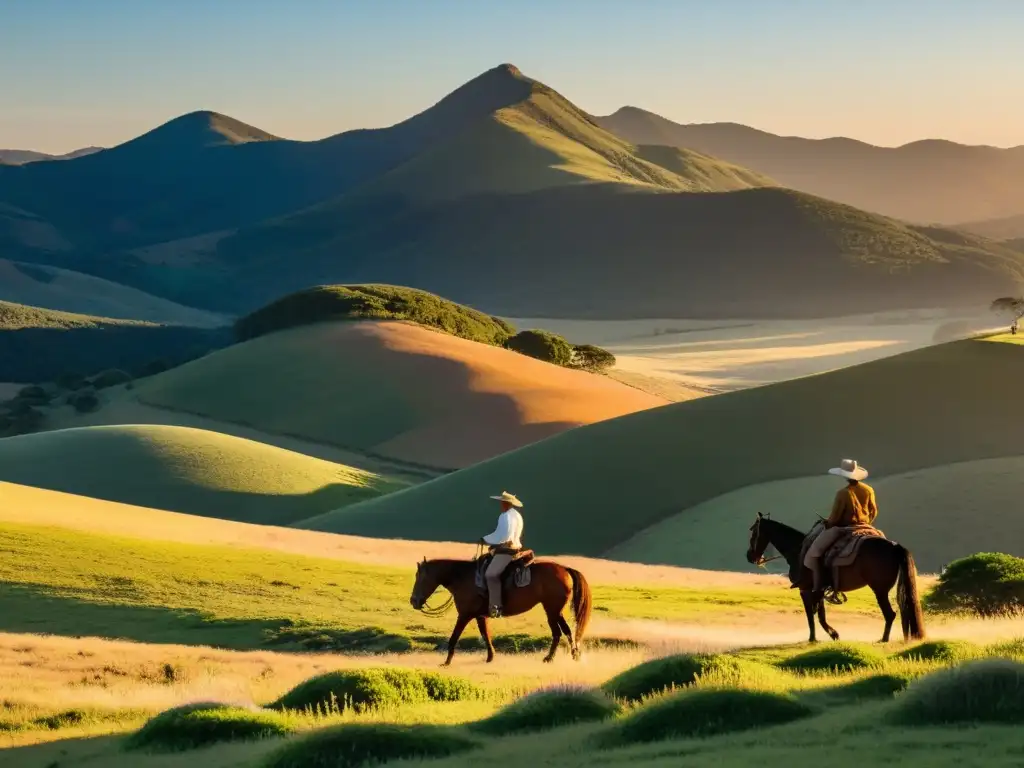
[(76, 73)]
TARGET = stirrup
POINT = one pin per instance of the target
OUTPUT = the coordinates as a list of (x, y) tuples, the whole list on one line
[(495, 612)]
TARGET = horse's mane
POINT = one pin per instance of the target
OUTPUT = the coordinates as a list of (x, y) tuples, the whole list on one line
[(793, 536), (451, 569)]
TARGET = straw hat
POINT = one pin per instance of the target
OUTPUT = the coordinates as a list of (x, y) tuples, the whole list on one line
[(849, 469), (508, 498)]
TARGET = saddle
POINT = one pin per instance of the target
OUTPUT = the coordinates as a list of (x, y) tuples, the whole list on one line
[(516, 573), (841, 554)]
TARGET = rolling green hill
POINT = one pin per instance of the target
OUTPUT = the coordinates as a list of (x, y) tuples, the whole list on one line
[(41, 344), (591, 489), (185, 470), (924, 181)]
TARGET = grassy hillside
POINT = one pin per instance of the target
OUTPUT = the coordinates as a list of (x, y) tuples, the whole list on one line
[(41, 344), (1008, 228), (22, 156), (392, 389), (64, 290), (591, 489), (924, 181), (185, 470)]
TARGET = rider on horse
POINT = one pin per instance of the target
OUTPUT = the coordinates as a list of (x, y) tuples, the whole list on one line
[(505, 543), (854, 506)]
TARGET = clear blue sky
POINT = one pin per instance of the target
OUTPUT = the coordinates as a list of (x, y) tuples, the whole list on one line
[(77, 72)]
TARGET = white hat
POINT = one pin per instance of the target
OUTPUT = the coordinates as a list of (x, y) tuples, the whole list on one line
[(849, 469), (508, 498)]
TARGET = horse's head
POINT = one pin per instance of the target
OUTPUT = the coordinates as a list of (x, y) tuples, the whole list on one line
[(758, 540), (426, 584)]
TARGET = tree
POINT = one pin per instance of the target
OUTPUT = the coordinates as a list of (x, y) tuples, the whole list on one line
[(590, 358), (543, 345), (987, 584), (1009, 306)]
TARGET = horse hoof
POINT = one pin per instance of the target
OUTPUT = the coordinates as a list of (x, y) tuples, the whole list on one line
[(548, 659), (490, 659)]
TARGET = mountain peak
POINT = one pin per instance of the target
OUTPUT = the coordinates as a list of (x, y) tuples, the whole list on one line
[(198, 130)]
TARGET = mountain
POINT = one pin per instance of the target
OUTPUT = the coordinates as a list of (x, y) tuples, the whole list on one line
[(22, 156), (1008, 228), (503, 194), (928, 181)]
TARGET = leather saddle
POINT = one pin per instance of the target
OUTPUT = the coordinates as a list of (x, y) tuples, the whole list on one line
[(516, 573)]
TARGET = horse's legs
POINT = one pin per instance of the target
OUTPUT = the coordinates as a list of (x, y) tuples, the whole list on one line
[(809, 610), (887, 611), (564, 626), (824, 624), (556, 635), (460, 625), (485, 633)]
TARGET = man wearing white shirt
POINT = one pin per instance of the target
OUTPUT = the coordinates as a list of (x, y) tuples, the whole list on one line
[(505, 542)]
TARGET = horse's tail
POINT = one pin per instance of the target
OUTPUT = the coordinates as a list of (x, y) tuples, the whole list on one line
[(582, 605), (909, 601)]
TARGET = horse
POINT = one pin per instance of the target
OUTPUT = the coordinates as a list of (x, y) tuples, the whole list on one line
[(880, 564), (551, 585)]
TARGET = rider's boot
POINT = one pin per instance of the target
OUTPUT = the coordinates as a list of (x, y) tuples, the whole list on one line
[(495, 612), (818, 588)]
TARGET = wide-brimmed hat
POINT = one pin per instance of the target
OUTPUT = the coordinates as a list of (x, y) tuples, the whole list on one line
[(508, 498), (849, 469)]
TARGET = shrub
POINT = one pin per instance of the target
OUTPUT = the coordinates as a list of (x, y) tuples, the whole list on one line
[(33, 392), (941, 650), (549, 708), (986, 584), (591, 358), (705, 712), (70, 380), (199, 725), (84, 402), (880, 686), (668, 672), (542, 345), (381, 302), (24, 421), (153, 367), (985, 691), (836, 657), (111, 378), (347, 746), (374, 688)]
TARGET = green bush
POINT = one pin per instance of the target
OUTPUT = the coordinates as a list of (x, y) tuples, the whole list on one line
[(704, 712), (668, 672), (542, 345), (941, 650), (987, 584), (985, 691), (590, 358), (549, 708), (373, 302), (835, 657), (24, 421), (111, 378), (33, 392), (374, 688), (199, 725), (70, 380), (348, 746), (84, 402)]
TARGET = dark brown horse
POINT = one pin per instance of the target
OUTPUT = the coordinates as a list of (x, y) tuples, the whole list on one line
[(551, 585), (880, 565)]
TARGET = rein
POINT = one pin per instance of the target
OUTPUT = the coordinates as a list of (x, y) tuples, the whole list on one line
[(439, 610)]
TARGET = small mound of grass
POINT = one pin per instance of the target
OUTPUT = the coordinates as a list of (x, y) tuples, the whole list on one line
[(374, 688), (669, 672), (199, 725), (348, 746), (940, 650), (985, 691), (836, 657), (705, 712), (549, 708), (880, 686), (1014, 649)]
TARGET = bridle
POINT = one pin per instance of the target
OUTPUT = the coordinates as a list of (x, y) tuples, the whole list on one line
[(439, 610), (762, 560)]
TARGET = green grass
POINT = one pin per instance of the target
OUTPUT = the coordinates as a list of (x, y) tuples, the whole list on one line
[(835, 657), (72, 583), (668, 672), (770, 433), (201, 725), (186, 470), (374, 688), (987, 690), (941, 650), (549, 708)]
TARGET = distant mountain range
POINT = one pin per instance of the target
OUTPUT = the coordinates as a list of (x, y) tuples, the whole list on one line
[(925, 182), (22, 156), (503, 195)]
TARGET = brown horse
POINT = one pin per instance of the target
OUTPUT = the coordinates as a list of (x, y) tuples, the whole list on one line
[(880, 564), (551, 585)]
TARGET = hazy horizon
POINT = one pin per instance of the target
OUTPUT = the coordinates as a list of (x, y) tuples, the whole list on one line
[(884, 73)]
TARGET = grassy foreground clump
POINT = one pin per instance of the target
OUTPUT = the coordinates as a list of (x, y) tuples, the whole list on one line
[(705, 712), (837, 657), (549, 708), (947, 651), (984, 691), (200, 725), (373, 302), (676, 671), (347, 746), (374, 688)]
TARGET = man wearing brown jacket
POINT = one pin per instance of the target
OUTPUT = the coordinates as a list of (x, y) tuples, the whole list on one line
[(854, 505)]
